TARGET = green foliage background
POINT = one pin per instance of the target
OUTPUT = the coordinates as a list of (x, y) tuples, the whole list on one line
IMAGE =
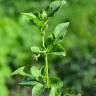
[(77, 69)]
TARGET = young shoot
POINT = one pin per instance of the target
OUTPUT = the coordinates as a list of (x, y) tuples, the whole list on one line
[(38, 79)]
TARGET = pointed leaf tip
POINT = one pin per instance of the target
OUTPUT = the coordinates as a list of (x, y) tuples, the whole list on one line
[(20, 71), (32, 18), (54, 7)]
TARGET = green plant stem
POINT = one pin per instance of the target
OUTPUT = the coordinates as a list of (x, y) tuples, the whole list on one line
[(43, 39), (46, 58), (46, 69)]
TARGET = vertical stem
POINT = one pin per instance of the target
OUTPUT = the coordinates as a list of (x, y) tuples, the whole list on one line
[(43, 39), (46, 69), (46, 58)]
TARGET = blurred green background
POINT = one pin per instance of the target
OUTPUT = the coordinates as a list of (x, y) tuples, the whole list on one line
[(77, 69)]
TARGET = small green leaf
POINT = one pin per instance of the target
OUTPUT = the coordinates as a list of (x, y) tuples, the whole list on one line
[(58, 53), (20, 71), (35, 49), (54, 7), (33, 18), (44, 15), (29, 16), (28, 83), (35, 72), (49, 41), (60, 31), (37, 89)]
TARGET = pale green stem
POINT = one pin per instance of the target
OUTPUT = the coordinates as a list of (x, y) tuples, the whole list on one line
[(43, 39), (46, 58), (46, 69)]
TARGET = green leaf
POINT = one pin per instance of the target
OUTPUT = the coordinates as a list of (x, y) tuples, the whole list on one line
[(37, 50), (49, 41), (58, 53), (56, 82), (60, 31), (44, 15), (33, 18), (54, 7), (37, 89), (35, 72), (53, 91), (42, 71), (28, 83), (20, 71)]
